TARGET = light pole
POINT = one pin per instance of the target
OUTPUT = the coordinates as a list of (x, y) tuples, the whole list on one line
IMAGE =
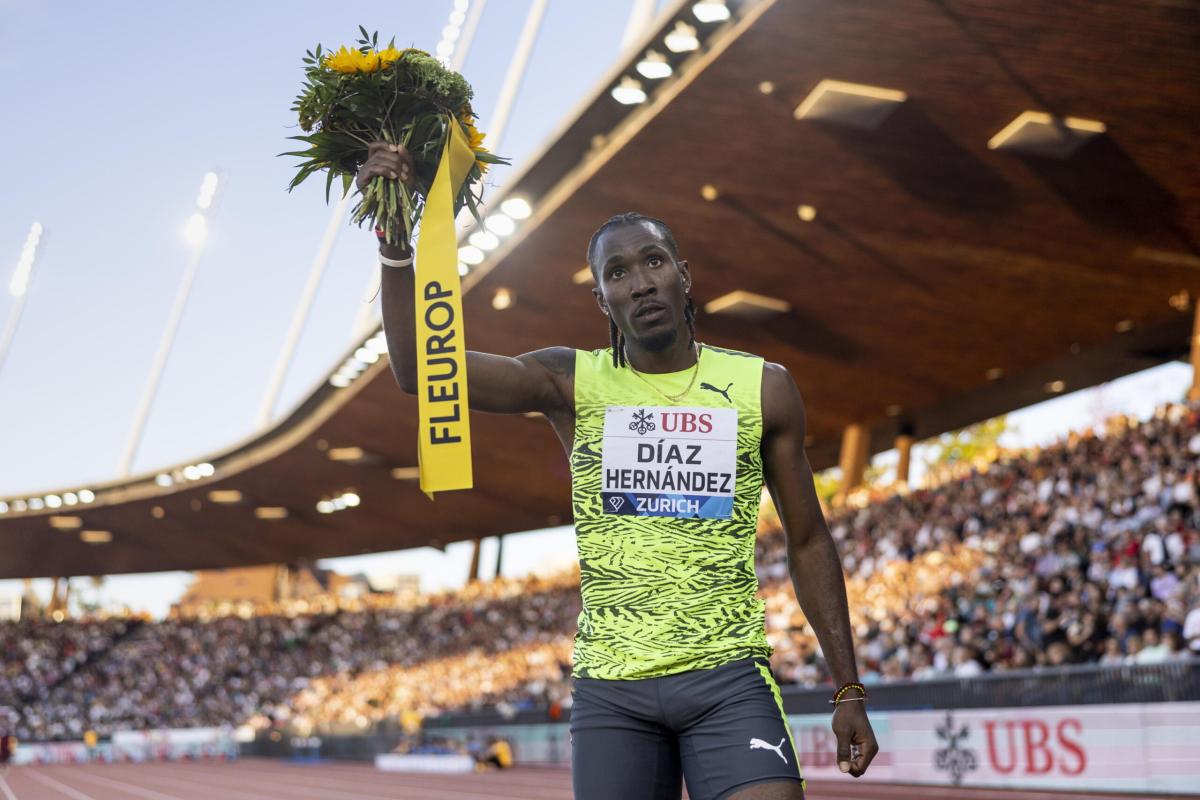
[(18, 287), (195, 233)]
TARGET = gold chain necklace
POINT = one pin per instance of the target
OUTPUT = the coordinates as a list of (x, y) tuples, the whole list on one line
[(691, 383)]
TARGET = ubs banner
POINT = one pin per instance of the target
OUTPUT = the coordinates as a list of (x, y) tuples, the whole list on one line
[(1143, 749), (1131, 748)]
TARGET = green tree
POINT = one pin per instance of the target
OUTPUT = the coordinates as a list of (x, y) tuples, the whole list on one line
[(827, 483), (966, 445)]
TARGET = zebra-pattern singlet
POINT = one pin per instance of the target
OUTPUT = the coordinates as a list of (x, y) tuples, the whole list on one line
[(666, 594)]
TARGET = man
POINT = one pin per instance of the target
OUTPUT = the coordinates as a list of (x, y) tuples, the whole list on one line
[(669, 442), (7, 748)]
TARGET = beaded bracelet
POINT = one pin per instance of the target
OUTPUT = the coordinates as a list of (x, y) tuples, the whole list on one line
[(837, 696)]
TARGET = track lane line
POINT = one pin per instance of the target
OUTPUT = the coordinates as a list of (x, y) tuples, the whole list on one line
[(223, 783), (46, 780), (524, 783), (464, 785), (149, 794), (8, 793), (409, 792), (191, 786)]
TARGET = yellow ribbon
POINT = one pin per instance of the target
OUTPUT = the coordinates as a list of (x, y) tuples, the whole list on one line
[(444, 433)]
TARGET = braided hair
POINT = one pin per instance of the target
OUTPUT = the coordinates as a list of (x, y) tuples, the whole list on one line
[(615, 337)]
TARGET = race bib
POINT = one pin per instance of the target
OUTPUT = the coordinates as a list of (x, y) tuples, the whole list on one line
[(669, 462)]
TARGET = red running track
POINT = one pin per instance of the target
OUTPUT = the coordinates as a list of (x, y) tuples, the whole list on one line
[(259, 779)]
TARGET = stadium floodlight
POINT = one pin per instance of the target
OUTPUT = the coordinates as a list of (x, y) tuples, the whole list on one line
[(351, 499), (484, 240), (3, 507), (19, 505), (70, 498), (500, 224), (20, 279), (711, 11), (470, 255), (208, 189), (206, 470), (163, 479), (195, 231), (463, 269), (19, 287), (191, 473), (682, 38), (629, 92), (654, 66), (35, 503), (325, 507), (53, 501), (377, 344), (516, 207), (86, 495), (339, 381), (451, 32), (366, 355)]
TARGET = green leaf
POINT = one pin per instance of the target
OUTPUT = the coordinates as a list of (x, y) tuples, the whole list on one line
[(328, 184)]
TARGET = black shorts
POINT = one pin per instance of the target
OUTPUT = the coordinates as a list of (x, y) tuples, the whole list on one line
[(721, 729)]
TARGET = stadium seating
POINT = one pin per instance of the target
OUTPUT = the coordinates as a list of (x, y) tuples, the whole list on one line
[(1084, 551)]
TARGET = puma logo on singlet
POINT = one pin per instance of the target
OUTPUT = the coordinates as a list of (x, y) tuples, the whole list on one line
[(759, 744), (723, 392)]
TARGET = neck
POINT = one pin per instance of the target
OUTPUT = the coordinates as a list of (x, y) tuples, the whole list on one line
[(679, 356)]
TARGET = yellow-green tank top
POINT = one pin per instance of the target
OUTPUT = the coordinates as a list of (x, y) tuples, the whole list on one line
[(666, 496)]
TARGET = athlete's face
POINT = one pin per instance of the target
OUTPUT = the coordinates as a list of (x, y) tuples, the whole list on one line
[(641, 285)]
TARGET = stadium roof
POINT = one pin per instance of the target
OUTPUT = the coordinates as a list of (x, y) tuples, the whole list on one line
[(930, 212)]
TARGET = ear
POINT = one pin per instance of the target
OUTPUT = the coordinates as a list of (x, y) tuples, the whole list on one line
[(600, 301), (687, 276)]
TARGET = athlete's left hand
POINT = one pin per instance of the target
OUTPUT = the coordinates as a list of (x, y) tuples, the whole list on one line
[(856, 744)]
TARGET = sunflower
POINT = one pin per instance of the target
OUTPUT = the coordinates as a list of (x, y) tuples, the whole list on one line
[(348, 60), (389, 56), (475, 141)]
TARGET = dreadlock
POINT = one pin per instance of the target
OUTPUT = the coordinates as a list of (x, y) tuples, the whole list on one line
[(615, 337)]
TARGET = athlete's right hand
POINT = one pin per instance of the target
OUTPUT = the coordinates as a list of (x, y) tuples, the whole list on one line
[(387, 161)]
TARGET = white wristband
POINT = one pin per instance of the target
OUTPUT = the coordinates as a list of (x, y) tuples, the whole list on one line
[(395, 262)]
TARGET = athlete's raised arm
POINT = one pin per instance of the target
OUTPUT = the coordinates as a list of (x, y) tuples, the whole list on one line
[(538, 381), (813, 560)]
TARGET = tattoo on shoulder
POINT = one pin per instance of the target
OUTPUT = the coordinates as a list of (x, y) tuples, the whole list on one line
[(559, 360)]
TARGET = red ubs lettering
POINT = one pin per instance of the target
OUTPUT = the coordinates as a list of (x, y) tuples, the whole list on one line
[(686, 422), (818, 747), (1036, 752)]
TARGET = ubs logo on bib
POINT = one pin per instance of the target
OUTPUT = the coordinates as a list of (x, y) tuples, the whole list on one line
[(643, 422)]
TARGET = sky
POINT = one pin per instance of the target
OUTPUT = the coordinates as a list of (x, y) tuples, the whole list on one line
[(120, 109)]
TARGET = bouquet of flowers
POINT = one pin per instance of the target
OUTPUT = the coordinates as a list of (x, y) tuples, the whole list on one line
[(353, 96)]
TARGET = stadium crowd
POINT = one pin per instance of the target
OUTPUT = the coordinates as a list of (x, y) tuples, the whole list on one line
[(1085, 551)]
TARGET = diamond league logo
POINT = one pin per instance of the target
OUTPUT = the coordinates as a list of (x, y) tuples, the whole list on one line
[(643, 422), (616, 503)]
